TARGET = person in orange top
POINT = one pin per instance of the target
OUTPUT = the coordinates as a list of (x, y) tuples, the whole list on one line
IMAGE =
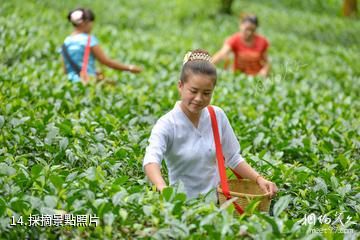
[(248, 47)]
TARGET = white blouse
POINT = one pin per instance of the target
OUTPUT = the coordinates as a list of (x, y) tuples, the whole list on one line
[(189, 152)]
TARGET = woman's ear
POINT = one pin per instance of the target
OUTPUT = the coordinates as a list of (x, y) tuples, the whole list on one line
[(180, 84)]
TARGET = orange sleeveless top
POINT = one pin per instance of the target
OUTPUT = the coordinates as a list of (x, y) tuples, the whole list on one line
[(248, 59)]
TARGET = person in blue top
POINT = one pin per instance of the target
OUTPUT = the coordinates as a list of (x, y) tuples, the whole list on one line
[(74, 47)]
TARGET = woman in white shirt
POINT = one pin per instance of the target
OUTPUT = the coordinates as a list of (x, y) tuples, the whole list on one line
[(184, 137)]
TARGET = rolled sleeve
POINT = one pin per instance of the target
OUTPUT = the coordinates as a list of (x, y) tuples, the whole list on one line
[(158, 143), (230, 144)]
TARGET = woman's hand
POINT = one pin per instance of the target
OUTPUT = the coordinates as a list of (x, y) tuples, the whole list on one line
[(134, 69), (267, 186), (263, 73), (152, 171), (247, 172), (161, 187)]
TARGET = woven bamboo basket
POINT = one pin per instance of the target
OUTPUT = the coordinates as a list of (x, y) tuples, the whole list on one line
[(246, 191)]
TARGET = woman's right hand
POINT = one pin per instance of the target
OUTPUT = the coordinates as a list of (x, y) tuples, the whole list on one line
[(152, 171), (161, 187)]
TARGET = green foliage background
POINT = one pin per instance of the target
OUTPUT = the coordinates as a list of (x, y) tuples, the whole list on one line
[(79, 149)]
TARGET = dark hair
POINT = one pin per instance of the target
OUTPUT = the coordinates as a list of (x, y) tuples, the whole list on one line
[(86, 16), (249, 18), (198, 62)]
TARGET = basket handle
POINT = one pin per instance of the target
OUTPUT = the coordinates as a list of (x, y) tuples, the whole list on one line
[(220, 159)]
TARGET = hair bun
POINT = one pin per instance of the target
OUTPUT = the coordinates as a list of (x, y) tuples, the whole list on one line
[(77, 16), (197, 55)]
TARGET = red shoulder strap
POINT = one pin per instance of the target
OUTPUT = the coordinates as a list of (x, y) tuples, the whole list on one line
[(220, 159), (86, 59)]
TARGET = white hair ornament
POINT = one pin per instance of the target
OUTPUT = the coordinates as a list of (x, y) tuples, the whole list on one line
[(76, 17), (193, 56)]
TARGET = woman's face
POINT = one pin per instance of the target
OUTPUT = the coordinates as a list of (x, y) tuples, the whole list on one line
[(196, 92), (248, 30)]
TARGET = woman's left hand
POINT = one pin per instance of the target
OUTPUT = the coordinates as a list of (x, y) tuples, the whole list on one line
[(267, 186), (263, 73)]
